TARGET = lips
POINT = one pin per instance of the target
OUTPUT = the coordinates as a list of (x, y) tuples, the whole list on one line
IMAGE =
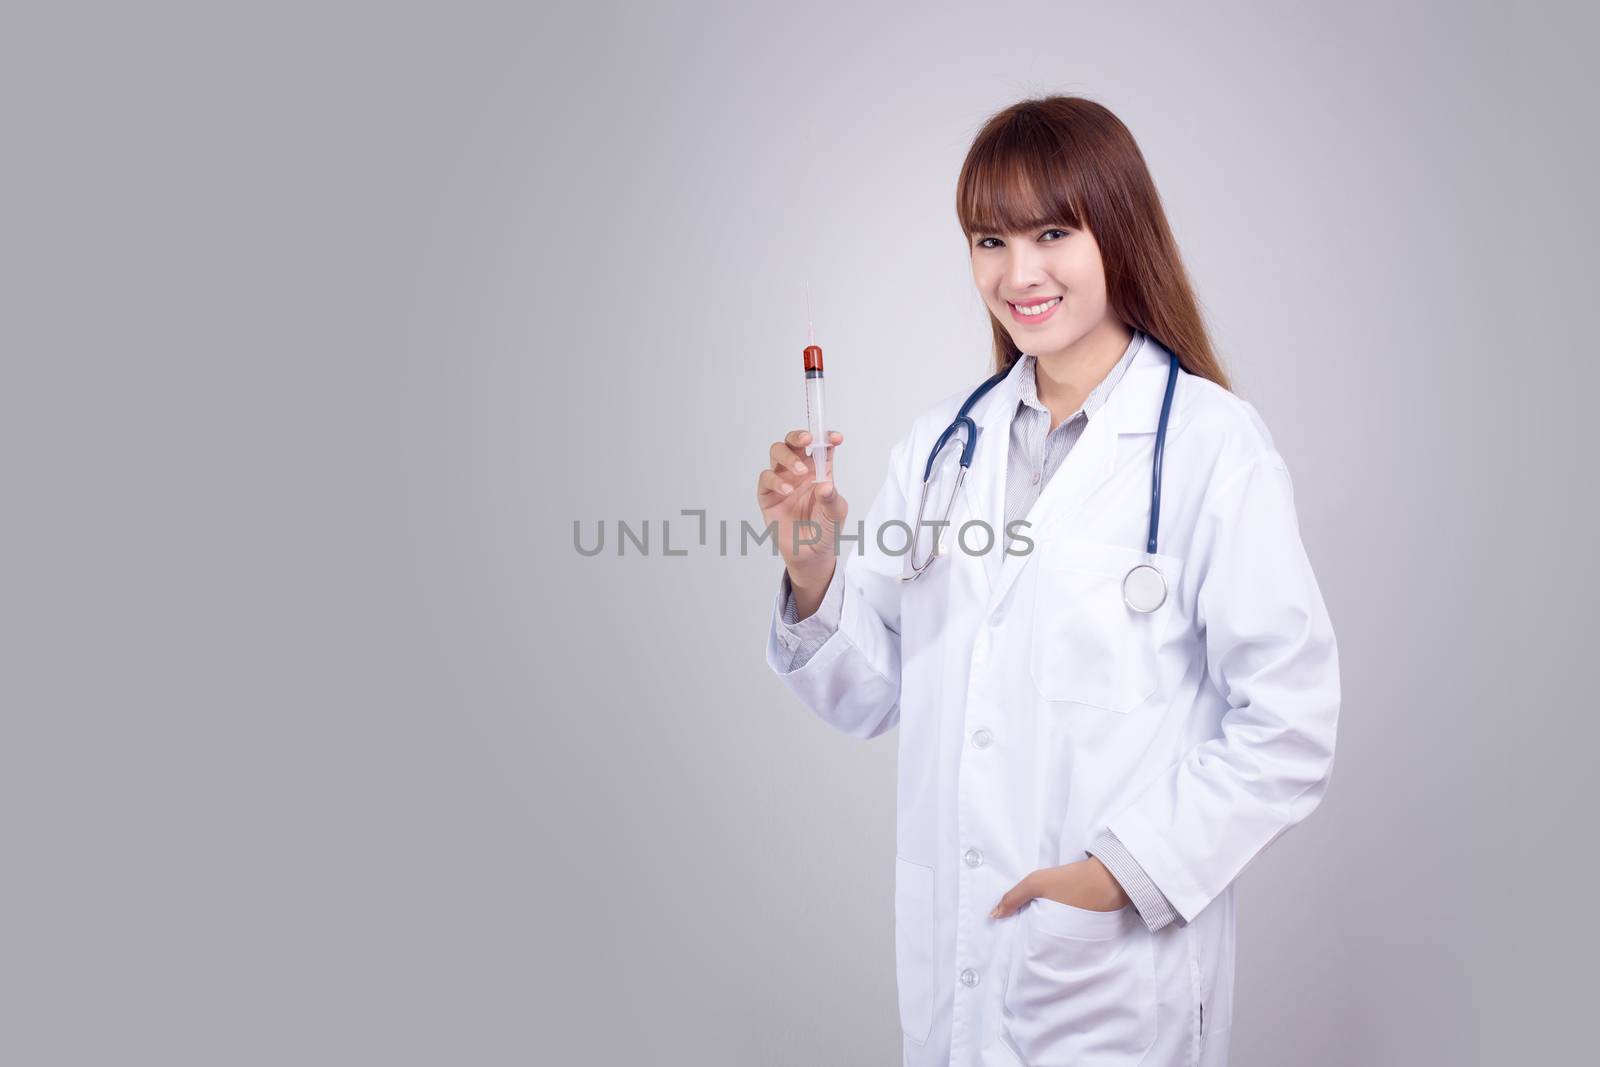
[(1031, 320)]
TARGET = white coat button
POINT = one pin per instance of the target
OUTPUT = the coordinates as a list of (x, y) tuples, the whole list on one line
[(969, 977), (1035, 477), (972, 857), (982, 739)]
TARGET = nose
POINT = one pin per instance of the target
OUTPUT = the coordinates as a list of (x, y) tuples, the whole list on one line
[(1024, 267)]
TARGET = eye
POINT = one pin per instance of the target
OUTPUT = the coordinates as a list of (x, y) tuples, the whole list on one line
[(981, 241), (1063, 233)]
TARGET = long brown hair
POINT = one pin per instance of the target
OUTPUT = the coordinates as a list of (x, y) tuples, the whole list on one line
[(1068, 160)]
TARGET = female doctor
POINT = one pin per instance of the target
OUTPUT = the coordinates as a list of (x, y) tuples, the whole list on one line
[(1114, 676)]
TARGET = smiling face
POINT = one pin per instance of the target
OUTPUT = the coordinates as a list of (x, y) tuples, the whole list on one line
[(1055, 273)]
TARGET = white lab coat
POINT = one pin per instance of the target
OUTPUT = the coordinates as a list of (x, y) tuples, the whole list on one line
[(1036, 710)]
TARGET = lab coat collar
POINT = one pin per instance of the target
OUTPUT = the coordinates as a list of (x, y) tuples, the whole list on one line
[(1134, 406)]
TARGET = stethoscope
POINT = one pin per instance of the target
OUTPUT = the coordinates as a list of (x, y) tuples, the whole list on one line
[(1144, 588)]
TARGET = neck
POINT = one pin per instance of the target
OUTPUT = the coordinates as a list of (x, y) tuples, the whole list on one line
[(1064, 379)]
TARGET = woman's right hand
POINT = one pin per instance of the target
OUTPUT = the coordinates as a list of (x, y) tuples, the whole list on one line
[(787, 496)]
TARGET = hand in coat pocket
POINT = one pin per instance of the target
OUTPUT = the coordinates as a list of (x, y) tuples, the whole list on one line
[(1086, 884)]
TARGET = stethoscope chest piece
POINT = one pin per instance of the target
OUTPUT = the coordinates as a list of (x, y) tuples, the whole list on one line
[(1144, 589)]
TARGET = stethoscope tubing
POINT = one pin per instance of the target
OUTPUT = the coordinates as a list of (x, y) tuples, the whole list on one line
[(1161, 448), (969, 447)]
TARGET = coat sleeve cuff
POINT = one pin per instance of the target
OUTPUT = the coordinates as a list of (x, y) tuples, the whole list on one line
[(1153, 906)]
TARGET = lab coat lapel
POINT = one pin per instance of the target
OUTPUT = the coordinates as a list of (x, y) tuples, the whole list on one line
[(1134, 406)]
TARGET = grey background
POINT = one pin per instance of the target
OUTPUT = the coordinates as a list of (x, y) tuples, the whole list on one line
[(323, 323)]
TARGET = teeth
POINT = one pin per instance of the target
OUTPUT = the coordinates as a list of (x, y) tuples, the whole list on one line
[(1039, 309)]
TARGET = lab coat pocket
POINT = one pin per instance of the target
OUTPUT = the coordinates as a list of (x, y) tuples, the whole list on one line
[(914, 946), (1089, 647), (1082, 990)]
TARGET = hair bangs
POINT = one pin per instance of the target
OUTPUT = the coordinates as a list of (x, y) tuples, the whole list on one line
[(1018, 180)]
